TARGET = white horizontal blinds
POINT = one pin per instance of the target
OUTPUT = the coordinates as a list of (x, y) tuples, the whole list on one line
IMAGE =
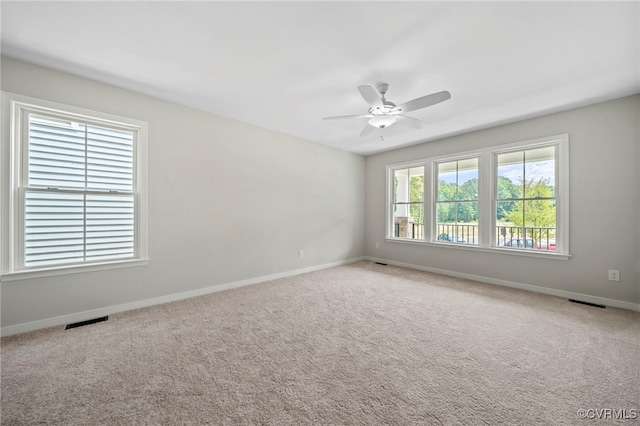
[(54, 228), (56, 153), (79, 201), (110, 226), (109, 159)]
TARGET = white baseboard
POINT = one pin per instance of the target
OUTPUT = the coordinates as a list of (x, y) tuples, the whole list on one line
[(109, 310), (550, 291)]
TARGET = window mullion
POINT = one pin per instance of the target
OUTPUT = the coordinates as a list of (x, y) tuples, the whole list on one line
[(487, 200)]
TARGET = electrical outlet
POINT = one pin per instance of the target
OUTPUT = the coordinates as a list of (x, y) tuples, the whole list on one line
[(300, 253), (377, 245), (614, 275)]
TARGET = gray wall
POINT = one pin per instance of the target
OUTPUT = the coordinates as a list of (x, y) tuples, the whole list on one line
[(228, 202), (604, 178)]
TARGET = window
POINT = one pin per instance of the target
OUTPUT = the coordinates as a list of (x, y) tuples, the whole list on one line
[(408, 203), (78, 192), (511, 198), (457, 201), (525, 200)]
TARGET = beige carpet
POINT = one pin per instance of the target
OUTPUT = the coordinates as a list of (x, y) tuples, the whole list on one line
[(360, 344)]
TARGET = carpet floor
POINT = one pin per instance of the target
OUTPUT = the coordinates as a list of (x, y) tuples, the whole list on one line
[(360, 344)]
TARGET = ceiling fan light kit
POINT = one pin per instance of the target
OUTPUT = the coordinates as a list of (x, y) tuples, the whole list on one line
[(383, 113), (382, 121)]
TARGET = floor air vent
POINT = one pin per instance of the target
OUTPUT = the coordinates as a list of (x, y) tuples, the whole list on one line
[(87, 322), (587, 303)]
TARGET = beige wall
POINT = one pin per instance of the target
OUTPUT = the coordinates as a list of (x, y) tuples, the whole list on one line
[(604, 204), (228, 202)]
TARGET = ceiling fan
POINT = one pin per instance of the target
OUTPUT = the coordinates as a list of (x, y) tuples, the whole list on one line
[(383, 113)]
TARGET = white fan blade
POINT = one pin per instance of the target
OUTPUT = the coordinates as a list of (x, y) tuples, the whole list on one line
[(423, 102), (340, 117), (411, 122), (370, 95), (366, 130)]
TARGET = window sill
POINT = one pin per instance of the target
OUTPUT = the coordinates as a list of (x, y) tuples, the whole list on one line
[(71, 269), (493, 250)]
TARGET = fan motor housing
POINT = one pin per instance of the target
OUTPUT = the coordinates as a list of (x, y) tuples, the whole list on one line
[(383, 110)]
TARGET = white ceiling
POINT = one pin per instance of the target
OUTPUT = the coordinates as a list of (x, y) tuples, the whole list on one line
[(285, 65)]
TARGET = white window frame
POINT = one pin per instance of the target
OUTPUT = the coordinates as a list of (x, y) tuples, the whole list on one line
[(391, 169), (487, 198), (13, 157), (434, 192)]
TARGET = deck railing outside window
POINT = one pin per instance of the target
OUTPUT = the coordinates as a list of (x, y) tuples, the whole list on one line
[(533, 238)]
